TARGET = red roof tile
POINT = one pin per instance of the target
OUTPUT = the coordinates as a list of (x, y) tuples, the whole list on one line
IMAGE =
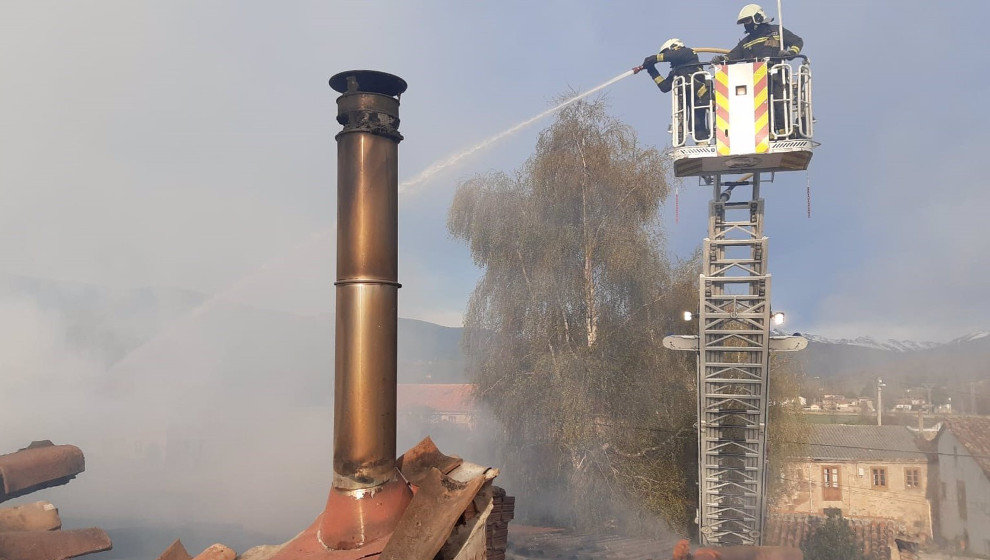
[(874, 536)]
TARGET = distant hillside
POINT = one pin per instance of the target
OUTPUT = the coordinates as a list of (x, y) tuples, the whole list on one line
[(955, 369), (243, 348), (247, 348)]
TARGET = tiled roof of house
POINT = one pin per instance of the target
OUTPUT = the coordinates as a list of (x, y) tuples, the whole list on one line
[(839, 442), (974, 433), (875, 537)]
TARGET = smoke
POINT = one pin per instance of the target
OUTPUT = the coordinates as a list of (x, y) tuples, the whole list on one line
[(218, 431), (201, 417)]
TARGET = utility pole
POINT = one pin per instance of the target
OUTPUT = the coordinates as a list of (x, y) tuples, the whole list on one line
[(972, 397), (880, 386)]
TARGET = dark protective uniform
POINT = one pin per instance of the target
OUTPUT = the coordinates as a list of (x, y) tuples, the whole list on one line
[(762, 40), (683, 62)]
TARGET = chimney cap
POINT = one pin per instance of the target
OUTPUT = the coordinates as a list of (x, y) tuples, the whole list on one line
[(368, 81)]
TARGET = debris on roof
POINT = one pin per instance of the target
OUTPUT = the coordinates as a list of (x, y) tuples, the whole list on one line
[(456, 513), (216, 552), (52, 545), (175, 551), (32, 531), (38, 516)]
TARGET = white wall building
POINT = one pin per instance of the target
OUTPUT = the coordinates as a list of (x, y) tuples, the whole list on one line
[(963, 492)]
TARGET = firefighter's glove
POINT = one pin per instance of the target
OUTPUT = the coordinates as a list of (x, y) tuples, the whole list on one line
[(650, 60), (720, 59)]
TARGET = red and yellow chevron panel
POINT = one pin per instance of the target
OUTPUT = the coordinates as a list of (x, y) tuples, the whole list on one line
[(722, 110), (761, 106)]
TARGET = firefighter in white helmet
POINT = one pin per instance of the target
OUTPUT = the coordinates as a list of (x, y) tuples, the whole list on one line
[(683, 62), (762, 39)]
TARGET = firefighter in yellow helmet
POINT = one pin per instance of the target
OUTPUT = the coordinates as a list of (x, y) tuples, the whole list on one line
[(683, 62), (762, 38)]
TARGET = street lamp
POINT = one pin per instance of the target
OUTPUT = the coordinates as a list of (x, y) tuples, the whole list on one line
[(778, 318), (688, 316)]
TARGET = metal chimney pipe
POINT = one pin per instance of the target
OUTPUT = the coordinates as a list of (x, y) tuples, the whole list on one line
[(368, 494)]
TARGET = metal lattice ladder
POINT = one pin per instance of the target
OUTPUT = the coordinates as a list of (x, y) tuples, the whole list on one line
[(734, 350), (733, 347)]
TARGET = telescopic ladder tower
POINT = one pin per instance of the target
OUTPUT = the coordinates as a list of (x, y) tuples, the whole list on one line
[(762, 118)]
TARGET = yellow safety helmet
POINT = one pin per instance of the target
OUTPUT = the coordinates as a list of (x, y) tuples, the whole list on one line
[(674, 43), (752, 13)]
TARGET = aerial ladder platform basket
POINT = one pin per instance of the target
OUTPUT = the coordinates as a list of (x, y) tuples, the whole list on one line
[(746, 120), (758, 118)]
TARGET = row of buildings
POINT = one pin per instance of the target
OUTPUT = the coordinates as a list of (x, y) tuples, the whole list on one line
[(865, 405), (928, 485), (901, 485)]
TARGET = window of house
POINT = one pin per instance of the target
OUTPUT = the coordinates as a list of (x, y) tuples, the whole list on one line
[(879, 477), (831, 491), (912, 478)]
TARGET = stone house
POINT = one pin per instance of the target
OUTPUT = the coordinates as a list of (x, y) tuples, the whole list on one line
[(868, 472), (963, 475)]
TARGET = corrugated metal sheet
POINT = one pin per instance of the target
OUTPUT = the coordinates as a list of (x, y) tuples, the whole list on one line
[(837, 442)]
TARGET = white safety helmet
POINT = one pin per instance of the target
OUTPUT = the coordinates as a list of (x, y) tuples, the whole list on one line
[(674, 43), (752, 13)]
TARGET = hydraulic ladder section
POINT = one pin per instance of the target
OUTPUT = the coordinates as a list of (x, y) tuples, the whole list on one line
[(733, 350)]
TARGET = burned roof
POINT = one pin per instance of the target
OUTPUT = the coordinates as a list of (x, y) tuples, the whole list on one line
[(838, 442), (974, 433)]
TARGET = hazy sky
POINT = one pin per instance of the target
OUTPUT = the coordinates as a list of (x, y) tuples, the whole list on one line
[(190, 144)]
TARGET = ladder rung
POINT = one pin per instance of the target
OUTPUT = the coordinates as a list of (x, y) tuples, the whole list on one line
[(736, 242), (734, 411)]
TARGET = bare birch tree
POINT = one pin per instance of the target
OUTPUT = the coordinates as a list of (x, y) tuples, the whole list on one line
[(564, 329)]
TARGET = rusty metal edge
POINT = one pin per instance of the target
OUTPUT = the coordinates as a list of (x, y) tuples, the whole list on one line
[(431, 516)]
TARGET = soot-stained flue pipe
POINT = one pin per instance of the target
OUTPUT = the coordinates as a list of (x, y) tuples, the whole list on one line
[(368, 494)]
